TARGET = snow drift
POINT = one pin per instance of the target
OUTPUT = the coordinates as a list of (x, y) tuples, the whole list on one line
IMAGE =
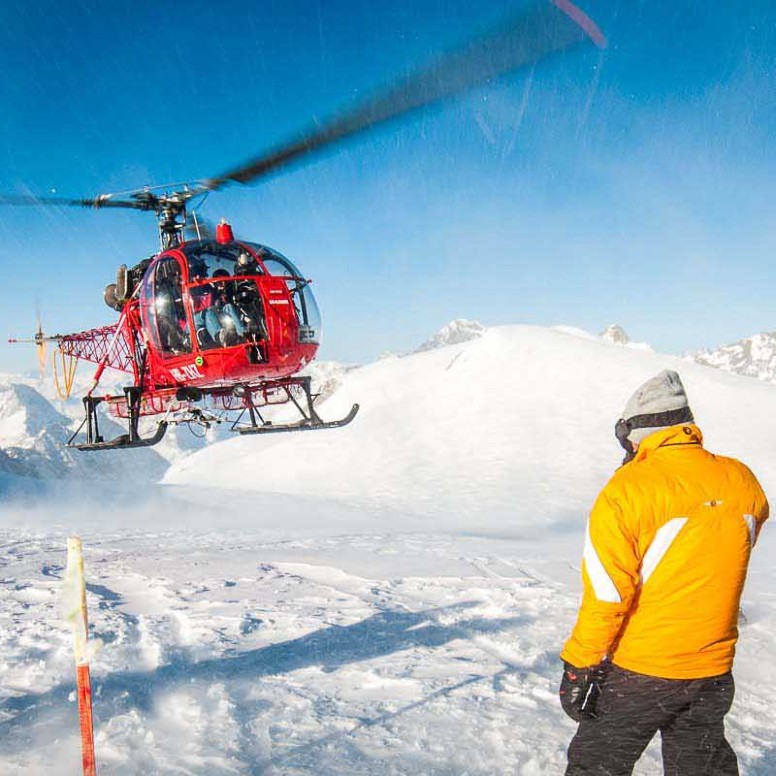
[(513, 427)]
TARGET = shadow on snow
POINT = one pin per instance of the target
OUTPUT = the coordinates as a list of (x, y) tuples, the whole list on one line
[(329, 648)]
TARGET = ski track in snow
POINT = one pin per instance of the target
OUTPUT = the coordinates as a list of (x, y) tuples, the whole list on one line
[(238, 654)]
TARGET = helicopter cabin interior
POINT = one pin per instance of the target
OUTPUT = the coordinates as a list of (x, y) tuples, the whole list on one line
[(205, 295)]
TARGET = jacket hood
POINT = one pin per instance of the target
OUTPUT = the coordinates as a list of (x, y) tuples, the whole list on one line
[(673, 436)]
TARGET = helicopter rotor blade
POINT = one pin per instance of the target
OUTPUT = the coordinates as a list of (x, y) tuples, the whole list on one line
[(96, 202), (550, 28)]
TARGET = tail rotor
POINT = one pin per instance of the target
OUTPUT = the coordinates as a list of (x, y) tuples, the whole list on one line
[(41, 347)]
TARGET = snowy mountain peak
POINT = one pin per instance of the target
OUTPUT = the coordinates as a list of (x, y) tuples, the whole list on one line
[(454, 333), (616, 334), (32, 443), (753, 356), (26, 416)]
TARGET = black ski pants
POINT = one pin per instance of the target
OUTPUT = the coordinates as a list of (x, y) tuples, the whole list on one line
[(632, 707)]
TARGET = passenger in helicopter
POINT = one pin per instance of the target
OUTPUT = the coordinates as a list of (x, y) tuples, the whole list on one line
[(241, 302), (226, 312), (248, 300), (231, 325), (169, 311), (206, 320), (173, 337), (203, 297)]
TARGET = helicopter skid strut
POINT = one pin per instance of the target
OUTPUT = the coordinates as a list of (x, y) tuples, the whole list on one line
[(308, 424), (95, 440), (310, 420)]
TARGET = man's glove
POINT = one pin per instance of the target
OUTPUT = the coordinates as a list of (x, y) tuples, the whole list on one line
[(579, 690)]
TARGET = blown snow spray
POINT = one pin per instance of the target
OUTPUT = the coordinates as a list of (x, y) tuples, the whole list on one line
[(74, 593)]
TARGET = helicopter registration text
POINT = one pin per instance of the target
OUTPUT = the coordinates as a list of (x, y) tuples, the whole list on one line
[(187, 372)]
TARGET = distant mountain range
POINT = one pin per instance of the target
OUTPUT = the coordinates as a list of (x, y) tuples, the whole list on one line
[(753, 356)]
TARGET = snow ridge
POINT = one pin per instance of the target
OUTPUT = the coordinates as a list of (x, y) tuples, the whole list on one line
[(501, 409)]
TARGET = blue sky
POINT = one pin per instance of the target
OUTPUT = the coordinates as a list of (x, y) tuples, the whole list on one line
[(634, 185)]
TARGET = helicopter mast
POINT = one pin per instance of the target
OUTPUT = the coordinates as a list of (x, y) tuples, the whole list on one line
[(171, 212)]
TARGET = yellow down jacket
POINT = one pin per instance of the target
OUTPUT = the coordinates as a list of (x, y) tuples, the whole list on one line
[(665, 560)]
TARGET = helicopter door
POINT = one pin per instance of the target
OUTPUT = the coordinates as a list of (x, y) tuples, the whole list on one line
[(308, 318), (280, 315), (167, 314)]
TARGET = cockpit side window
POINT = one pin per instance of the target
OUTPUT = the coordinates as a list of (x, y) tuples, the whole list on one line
[(304, 302), (168, 314)]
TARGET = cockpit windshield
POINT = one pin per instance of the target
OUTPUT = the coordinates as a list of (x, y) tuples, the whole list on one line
[(230, 312), (211, 260)]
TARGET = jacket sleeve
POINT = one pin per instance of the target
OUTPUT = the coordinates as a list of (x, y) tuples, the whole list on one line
[(610, 574)]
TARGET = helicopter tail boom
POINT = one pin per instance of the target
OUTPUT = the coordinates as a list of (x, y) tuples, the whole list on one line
[(100, 346)]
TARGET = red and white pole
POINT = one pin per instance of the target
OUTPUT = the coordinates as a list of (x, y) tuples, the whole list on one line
[(76, 613)]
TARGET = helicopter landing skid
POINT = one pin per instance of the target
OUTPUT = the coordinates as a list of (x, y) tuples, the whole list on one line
[(308, 424), (310, 420), (95, 441), (124, 442)]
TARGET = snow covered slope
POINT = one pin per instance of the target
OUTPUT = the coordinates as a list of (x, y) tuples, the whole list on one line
[(387, 598), (513, 428)]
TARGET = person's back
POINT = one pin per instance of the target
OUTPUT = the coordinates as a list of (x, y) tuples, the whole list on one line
[(665, 561), (695, 528)]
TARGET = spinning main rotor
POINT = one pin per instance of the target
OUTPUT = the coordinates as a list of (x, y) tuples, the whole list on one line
[(542, 30)]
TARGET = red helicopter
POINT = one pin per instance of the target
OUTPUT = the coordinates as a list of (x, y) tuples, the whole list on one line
[(230, 322)]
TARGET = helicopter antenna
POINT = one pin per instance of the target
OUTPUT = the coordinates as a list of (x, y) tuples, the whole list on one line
[(196, 224)]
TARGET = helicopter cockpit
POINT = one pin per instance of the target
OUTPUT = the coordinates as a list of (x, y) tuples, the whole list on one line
[(305, 306), (215, 295), (227, 305)]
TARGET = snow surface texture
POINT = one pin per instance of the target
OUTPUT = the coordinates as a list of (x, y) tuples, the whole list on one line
[(386, 598)]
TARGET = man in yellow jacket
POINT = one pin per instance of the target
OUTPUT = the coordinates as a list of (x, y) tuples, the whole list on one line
[(665, 560)]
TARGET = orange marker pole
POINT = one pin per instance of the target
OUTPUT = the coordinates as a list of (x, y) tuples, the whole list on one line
[(77, 615)]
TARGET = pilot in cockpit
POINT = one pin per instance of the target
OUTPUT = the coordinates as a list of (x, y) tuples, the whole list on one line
[(246, 264)]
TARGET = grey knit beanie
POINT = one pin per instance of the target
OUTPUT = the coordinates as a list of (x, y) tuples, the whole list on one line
[(658, 403)]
